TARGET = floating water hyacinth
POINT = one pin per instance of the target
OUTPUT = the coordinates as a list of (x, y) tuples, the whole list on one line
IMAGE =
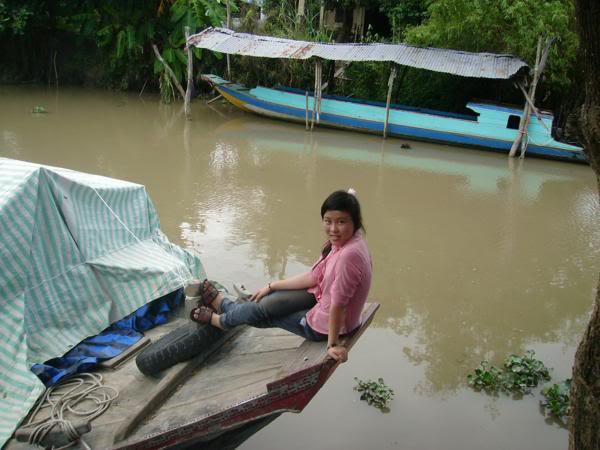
[(519, 374), (375, 393), (557, 403)]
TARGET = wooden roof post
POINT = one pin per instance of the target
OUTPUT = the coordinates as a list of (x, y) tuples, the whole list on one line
[(229, 28), (320, 90), (190, 78), (389, 99), (314, 109), (306, 115)]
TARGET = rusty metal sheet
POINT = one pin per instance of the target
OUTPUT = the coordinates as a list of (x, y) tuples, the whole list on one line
[(466, 64)]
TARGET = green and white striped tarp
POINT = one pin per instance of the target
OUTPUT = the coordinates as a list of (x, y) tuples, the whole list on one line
[(77, 252)]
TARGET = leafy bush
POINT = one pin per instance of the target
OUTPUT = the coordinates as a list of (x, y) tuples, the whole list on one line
[(375, 393), (505, 27), (557, 401)]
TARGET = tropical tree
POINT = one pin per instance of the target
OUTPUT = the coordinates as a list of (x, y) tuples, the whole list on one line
[(584, 432), (506, 26)]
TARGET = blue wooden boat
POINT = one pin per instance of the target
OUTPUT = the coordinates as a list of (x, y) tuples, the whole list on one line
[(491, 127)]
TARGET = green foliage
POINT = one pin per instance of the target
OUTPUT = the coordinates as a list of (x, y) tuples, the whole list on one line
[(367, 79), (504, 27), (110, 44), (167, 90), (375, 393), (283, 22), (557, 402), (519, 374), (195, 14), (107, 43), (404, 15), (14, 18), (486, 377), (524, 372)]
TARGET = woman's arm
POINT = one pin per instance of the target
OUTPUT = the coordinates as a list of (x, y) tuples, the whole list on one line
[(334, 349), (301, 281)]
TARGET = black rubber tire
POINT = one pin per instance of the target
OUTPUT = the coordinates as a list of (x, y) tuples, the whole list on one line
[(179, 345)]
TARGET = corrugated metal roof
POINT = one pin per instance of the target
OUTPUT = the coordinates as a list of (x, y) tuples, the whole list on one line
[(466, 64)]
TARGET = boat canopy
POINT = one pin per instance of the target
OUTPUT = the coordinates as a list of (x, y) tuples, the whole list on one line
[(466, 64), (77, 253)]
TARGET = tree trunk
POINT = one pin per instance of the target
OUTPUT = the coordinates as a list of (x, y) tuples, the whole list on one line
[(584, 429)]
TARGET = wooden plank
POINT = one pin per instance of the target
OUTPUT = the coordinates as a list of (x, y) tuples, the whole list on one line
[(115, 362), (267, 344), (175, 375)]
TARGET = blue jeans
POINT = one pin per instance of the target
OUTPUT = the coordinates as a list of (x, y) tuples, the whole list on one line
[(282, 309)]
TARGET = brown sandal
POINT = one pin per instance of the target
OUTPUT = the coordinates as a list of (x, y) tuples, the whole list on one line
[(204, 315), (201, 290)]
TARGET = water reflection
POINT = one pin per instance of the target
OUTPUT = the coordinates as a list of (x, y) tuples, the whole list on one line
[(474, 257)]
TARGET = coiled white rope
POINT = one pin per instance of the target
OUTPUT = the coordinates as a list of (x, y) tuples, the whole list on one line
[(66, 397)]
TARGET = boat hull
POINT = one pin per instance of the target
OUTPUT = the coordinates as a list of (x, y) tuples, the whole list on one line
[(243, 99)]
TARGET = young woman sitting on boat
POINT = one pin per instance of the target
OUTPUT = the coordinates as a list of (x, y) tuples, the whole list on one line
[(322, 304)]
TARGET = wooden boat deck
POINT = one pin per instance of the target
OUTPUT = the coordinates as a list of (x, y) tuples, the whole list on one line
[(253, 374)]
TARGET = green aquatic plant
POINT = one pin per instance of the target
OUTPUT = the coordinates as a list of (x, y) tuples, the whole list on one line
[(557, 403), (519, 374), (375, 393), (524, 372), (486, 377)]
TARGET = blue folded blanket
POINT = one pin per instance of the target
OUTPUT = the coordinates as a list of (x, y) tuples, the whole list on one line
[(111, 342)]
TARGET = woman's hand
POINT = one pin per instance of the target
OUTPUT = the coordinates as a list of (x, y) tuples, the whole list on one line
[(261, 293), (338, 352)]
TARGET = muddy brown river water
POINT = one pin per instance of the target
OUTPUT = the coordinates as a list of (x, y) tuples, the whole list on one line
[(474, 256)]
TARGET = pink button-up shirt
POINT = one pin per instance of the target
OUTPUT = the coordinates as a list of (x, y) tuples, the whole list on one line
[(342, 278)]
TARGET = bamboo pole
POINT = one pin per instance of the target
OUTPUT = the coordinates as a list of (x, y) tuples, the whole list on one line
[(214, 99), (229, 28), (532, 106), (301, 6), (321, 15), (190, 76), (541, 65), (540, 62), (306, 115), (314, 109), (527, 111), (55, 70), (525, 117), (319, 81), (389, 98), (169, 71)]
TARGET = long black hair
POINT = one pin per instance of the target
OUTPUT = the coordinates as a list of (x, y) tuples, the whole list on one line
[(345, 202)]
